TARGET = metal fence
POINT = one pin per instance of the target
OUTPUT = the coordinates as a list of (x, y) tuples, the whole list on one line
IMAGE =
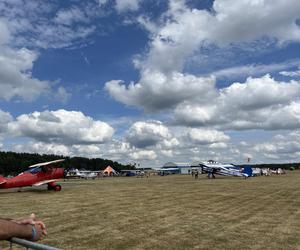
[(29, 244)]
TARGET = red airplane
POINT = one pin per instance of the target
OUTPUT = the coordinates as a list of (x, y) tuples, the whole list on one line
[(36, 175)]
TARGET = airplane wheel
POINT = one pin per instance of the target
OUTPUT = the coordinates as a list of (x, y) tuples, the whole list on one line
[(57, 188)]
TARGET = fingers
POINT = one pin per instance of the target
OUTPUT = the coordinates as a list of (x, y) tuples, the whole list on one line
[(27, 221), (39, 232), (42, 226), (33, 220)]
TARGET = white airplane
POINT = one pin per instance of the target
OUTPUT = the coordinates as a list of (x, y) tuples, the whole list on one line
[(212, 168), (86, 174)]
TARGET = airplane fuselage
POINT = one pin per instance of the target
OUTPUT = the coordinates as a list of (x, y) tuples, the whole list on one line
[(29, 179)]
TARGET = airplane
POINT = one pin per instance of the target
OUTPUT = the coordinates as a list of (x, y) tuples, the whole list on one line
[(73, 173), (36, 175), (212, 168)]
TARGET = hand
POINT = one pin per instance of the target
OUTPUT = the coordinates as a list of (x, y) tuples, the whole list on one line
[(32, 220), (39, 232)]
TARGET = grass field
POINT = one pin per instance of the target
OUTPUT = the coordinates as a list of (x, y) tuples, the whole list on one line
[(170, 212)]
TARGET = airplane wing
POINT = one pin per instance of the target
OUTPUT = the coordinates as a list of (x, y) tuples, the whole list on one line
[(2, 180), (46, 163), (44, 182)]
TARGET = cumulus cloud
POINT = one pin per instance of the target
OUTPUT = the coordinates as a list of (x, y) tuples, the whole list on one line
[(206, 136), (59, 149), (5, 34), (62, 127), (259, 93), (218, 145), (262, 18), (42, 148), (144, 154), (5, 119), (151, 133), (16, 80), (157, 91), (258, 103), (176, 38), (281, 147), (182, 31), (15, 75)]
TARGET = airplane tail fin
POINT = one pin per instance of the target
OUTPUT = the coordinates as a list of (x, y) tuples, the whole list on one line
[(2, 180), (247, 170)]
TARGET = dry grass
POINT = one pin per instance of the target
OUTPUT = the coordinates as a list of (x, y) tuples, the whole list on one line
[(171, 212)]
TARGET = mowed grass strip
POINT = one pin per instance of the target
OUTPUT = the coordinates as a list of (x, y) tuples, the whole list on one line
[(170, 212)]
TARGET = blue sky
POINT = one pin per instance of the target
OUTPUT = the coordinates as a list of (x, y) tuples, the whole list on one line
[(151, 81)]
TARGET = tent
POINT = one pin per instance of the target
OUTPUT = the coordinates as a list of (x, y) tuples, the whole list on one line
[(109, 171)]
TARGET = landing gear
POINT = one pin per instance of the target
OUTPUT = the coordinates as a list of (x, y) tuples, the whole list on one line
[(57, 188), (53, 186)]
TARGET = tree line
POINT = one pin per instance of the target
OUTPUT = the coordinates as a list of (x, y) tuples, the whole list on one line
[(12, 163)]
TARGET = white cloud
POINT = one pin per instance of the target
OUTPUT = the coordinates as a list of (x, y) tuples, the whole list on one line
[(206, 136), (259, 93), (218, 145), (157, 91), (255, 70), (62, 95), (247, 20), (182, 31), (295, 73), (127, 5), (102, 2), (262, 103), (143, 155), (176, 39), (62, 127), (49, 25), (15, 75), (5, 118), (69, 16), (150, 133), (42, 148), (281, 147), (5, 34), (90, 151)]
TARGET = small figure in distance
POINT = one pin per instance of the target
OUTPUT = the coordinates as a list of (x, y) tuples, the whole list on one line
[(29, 228), (196, 174)]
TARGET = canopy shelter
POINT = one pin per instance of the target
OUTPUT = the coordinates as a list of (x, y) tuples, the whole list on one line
[(109, 171)]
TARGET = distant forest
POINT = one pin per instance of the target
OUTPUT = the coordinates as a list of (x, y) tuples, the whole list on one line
[(13, 163)]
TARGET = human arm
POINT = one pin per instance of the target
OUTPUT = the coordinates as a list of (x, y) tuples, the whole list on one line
[(9, 229)]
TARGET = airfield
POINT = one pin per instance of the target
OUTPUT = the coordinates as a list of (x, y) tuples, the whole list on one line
[(165, 212)]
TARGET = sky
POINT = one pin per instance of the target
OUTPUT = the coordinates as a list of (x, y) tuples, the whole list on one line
[(147, 82)]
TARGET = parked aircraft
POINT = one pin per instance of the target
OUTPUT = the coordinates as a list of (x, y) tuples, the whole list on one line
[(38, 174), (212, 168), (82, 174)]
